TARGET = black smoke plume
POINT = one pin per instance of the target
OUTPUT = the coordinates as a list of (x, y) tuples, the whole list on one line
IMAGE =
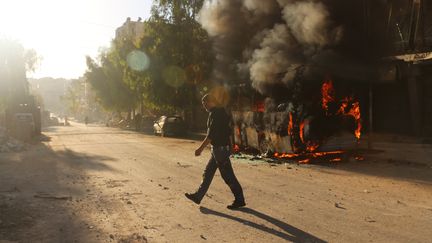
[(266, 41)]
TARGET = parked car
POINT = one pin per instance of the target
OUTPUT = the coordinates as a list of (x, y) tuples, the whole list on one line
[(169, 125), (54, 121)]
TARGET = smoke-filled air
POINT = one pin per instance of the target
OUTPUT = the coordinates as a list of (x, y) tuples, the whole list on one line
[(266, 41)]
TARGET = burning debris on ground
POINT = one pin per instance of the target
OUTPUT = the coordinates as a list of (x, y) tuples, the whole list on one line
[(321, 158)]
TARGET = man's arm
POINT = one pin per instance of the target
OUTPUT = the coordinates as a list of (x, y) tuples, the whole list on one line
[(210, 133), (204, 144)]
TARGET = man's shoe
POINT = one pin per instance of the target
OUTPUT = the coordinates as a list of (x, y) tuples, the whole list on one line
[(236, 204), (193, 198)]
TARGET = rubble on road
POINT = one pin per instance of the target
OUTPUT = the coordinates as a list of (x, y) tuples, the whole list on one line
[(9, 144)]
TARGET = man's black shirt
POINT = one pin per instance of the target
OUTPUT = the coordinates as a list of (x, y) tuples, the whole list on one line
[(218, 125)]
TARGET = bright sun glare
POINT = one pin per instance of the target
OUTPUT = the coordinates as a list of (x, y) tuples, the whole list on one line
[(40, 25), (62, 32)]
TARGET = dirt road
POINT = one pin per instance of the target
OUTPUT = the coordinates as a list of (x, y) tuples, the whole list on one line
[(97, 184)]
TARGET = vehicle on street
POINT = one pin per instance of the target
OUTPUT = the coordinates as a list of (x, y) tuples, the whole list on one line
[(54, 121), (169, 126)]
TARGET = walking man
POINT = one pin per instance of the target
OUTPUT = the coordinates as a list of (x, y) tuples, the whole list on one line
[(218, 135)]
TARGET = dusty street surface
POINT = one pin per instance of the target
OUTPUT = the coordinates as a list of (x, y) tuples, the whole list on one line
[(97, 184)]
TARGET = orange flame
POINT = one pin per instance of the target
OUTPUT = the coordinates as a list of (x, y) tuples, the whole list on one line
[(285, 156), (259, 106), (238, 131), (290, 124), (354, 112), (307, 157), (236, 148), (302, 131), (328, 94), (321, 154), (312, 147)]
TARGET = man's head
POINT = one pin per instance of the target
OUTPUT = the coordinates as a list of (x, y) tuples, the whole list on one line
[(208, 102)]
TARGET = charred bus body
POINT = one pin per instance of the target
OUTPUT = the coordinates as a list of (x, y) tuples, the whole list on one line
[(315, 119)]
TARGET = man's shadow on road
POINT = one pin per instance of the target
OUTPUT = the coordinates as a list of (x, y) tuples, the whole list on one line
[(290, 233)]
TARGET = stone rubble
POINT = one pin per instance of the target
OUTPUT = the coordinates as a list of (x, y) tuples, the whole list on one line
[(9, 144)]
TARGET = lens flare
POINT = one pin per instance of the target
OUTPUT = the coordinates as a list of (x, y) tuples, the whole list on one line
[(138, 60), (174, 76), (221, 95)]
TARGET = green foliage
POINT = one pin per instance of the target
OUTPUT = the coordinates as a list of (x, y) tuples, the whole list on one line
[(180, 57), (175, 41), (107, 81)]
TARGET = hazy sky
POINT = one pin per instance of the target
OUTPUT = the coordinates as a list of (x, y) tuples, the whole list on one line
[(63, 32)]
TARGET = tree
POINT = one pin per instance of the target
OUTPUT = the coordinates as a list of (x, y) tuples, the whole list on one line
[(180, 51), (107, 80), (74, 97), (31, 59), (81, 102), (15, 61)]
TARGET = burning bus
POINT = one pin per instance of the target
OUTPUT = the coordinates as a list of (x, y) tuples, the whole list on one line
[(315, 121), (323, 74)]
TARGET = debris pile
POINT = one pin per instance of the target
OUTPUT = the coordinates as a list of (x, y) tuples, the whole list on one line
[(9, 144)]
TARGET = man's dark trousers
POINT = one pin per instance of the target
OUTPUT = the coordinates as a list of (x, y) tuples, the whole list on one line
[(220, 159)]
